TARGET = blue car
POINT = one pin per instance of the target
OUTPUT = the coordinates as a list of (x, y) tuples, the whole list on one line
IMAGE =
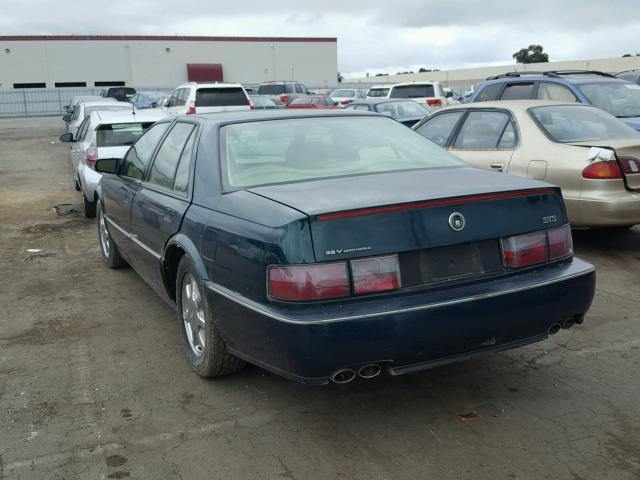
[(329, 245), (143, 100), (619, 97)]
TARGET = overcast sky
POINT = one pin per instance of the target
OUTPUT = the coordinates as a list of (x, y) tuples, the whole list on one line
[(373, 36)]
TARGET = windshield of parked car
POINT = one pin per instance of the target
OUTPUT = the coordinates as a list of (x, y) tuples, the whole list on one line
[(401, 109), (106, 108), (262, 101), (620, 99), (575, 123), (276, 89), (342, 93), (412, 91), (377, 92), (292, 150), (119, 134)]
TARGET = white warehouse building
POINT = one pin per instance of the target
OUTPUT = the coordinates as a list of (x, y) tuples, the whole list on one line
[(48, 61)]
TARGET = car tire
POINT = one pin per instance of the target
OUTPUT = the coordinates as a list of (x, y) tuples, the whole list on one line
[(89, 207), (108, 248), (204, 347)]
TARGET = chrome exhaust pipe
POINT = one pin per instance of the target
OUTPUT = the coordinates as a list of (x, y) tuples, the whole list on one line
[(369, 371), (344, 375), (555, 328)]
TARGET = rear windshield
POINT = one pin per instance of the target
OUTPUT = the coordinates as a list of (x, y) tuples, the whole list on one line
[(412, 91), (107, 108), (378, 92), (271, 89), (121, 91), (402, 109), (221, 97), (293, 150), (120, 134), (567, 124), (342, 93), (305, 101), (620, 99)]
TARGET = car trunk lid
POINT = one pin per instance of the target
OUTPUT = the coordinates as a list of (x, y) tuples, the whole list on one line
[(413, 210), (628, 158)]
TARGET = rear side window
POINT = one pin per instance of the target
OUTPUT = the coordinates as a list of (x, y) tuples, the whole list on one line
[(138, 156), (181, 182), (412, 91), (551, 91), (271, 89), (120, 134), (518, 91), (482, 130), (221, 97), (489, 93), (166, 162), (439, 127)]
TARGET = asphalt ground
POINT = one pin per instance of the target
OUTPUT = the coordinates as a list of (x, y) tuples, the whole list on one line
[(93, 383)]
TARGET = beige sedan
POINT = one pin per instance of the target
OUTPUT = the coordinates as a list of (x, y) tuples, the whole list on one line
[(590, 154)]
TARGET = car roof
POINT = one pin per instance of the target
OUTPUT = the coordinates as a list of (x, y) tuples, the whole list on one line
[(279, 114), (105, 103), (278, 82), (407, 84), (128, 116), (515, 105), (375, 101), (388, 85), (573, 78), (209, 85)]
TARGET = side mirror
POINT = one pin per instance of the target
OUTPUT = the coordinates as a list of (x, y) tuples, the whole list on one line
[(107, 165), (66, 137), (67, 117)]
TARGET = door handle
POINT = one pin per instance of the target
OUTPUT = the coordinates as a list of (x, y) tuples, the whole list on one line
[(498, 167)]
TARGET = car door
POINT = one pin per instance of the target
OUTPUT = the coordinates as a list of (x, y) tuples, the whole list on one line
[(159, 205), (486, 139), (78, 147), (118, 190)]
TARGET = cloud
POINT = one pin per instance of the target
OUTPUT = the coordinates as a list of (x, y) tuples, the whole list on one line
[(372, 36)]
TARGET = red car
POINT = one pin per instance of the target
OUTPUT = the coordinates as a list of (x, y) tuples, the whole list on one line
[(312, 102)]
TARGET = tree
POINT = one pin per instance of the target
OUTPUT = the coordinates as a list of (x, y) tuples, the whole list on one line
[(340, 77), (424, 70), (532, 54)]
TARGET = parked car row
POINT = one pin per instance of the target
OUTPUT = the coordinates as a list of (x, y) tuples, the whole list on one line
[(326, 242)]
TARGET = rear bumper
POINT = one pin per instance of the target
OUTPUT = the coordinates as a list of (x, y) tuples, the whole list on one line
[(403, 333), (617, 210)]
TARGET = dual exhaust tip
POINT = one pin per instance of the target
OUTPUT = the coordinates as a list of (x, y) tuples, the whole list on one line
[(345, 375), (568, 323)]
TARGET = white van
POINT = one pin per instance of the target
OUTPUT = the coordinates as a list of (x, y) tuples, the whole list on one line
[(192, 98)]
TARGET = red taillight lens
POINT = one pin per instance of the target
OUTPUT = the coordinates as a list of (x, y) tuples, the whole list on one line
[(346, 102), (192, 108), (630, 165), (539, 247), (309, 282), (603, 170), (91, 156), (375, 274), (560, 242), (284, 99), (251, 105), (434, 102), (525, 250)]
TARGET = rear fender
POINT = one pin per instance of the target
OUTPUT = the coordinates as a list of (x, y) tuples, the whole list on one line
[(177, 246)]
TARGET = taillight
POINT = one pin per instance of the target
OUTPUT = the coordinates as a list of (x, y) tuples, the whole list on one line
[(538, 247), (91, 155), (346, 102), (284, 99), (603, 170), (192, 108), (375, 274), (434, 102), (630, 165), (560, 242), (309, 282), (251, 105)]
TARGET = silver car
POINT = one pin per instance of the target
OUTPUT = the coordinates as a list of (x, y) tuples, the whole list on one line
[(104, 135), (84, 108)]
